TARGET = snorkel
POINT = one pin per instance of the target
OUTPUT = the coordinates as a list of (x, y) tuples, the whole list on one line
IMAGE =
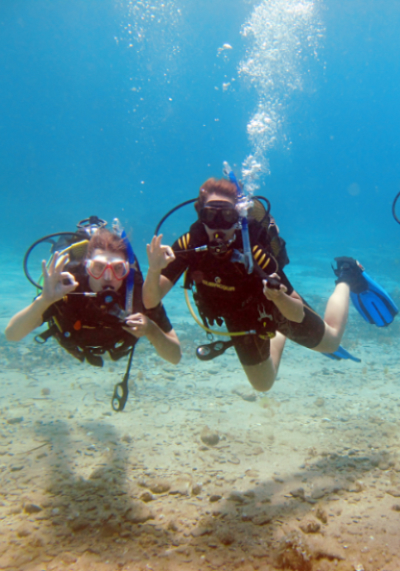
[(243, 204), (121, 390), (117, 228)]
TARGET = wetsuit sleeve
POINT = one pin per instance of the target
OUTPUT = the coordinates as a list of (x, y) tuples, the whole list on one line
[(268, 264), (160, 317), (176, 268)]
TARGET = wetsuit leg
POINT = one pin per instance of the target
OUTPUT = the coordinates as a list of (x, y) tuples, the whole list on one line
[(251, 349), (308, 333)]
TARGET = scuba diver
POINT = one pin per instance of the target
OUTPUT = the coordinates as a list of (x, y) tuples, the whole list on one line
[(238, 279), (91, 297)]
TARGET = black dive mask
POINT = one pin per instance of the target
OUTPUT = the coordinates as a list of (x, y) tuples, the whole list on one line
[(219, 215)]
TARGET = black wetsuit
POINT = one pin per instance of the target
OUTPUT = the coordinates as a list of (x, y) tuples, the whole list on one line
[(224, 290)]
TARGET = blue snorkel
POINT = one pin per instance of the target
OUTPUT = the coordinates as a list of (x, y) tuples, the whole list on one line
[(130, 280), (243, 205), (121, 390)]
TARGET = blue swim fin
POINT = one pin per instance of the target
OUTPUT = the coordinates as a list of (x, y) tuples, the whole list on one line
[(372, 302), (340, 354)]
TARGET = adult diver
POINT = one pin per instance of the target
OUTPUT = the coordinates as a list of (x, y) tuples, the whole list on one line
[(236, 277), (91, 297)]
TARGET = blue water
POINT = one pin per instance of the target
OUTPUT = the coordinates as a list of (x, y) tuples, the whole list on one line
[(75, 139), (123, 109)]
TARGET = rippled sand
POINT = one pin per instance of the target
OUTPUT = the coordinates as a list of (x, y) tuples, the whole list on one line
[(306, 477)]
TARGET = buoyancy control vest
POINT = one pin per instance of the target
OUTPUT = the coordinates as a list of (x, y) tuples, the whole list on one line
[(222, 288), (88, 327)]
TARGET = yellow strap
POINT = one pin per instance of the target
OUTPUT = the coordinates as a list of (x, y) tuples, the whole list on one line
[(80, 248), (197, 320)]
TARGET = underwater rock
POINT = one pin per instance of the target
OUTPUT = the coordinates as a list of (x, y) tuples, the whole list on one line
[(257, 451), (242, 393), (322, 515), (263, 519), (252, 473), (181, 487), (226, 536), (172, 525), (196, 489), (160, 486), (209, 437), (32, 509), (294, 553), (206, 528), (298, 493), (236, 497), (250, 397), (319, 493), (139, 513), (16, 468), (215, 498), (15, 420), (45, 391), (146, 497), (310, 526), (247, 516)]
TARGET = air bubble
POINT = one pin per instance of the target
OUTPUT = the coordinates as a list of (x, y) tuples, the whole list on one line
[(283, 35)]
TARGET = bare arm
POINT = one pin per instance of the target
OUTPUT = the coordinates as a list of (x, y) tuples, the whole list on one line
[(57, 283), (291, 306), (156, 286), (166, 344), (26, 320)]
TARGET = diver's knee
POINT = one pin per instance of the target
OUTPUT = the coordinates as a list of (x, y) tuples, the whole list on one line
[(327, 346), (265, 388), (262, 384)]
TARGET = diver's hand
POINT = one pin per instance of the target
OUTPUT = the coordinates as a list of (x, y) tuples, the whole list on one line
[(57, 283), (159, 256), (138, 325), (291, 306), (274, 294)]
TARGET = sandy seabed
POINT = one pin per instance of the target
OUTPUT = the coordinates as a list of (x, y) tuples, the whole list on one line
[(200, 472)]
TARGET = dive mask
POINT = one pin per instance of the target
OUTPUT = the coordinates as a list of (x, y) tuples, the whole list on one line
[(96, 267), (219, 214)]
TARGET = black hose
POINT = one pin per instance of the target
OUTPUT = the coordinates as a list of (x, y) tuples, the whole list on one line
[(394, 208), (163, 219), (28, 252)]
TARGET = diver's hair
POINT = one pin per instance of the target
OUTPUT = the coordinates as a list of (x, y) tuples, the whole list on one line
[(103, 239), (220, 186)]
